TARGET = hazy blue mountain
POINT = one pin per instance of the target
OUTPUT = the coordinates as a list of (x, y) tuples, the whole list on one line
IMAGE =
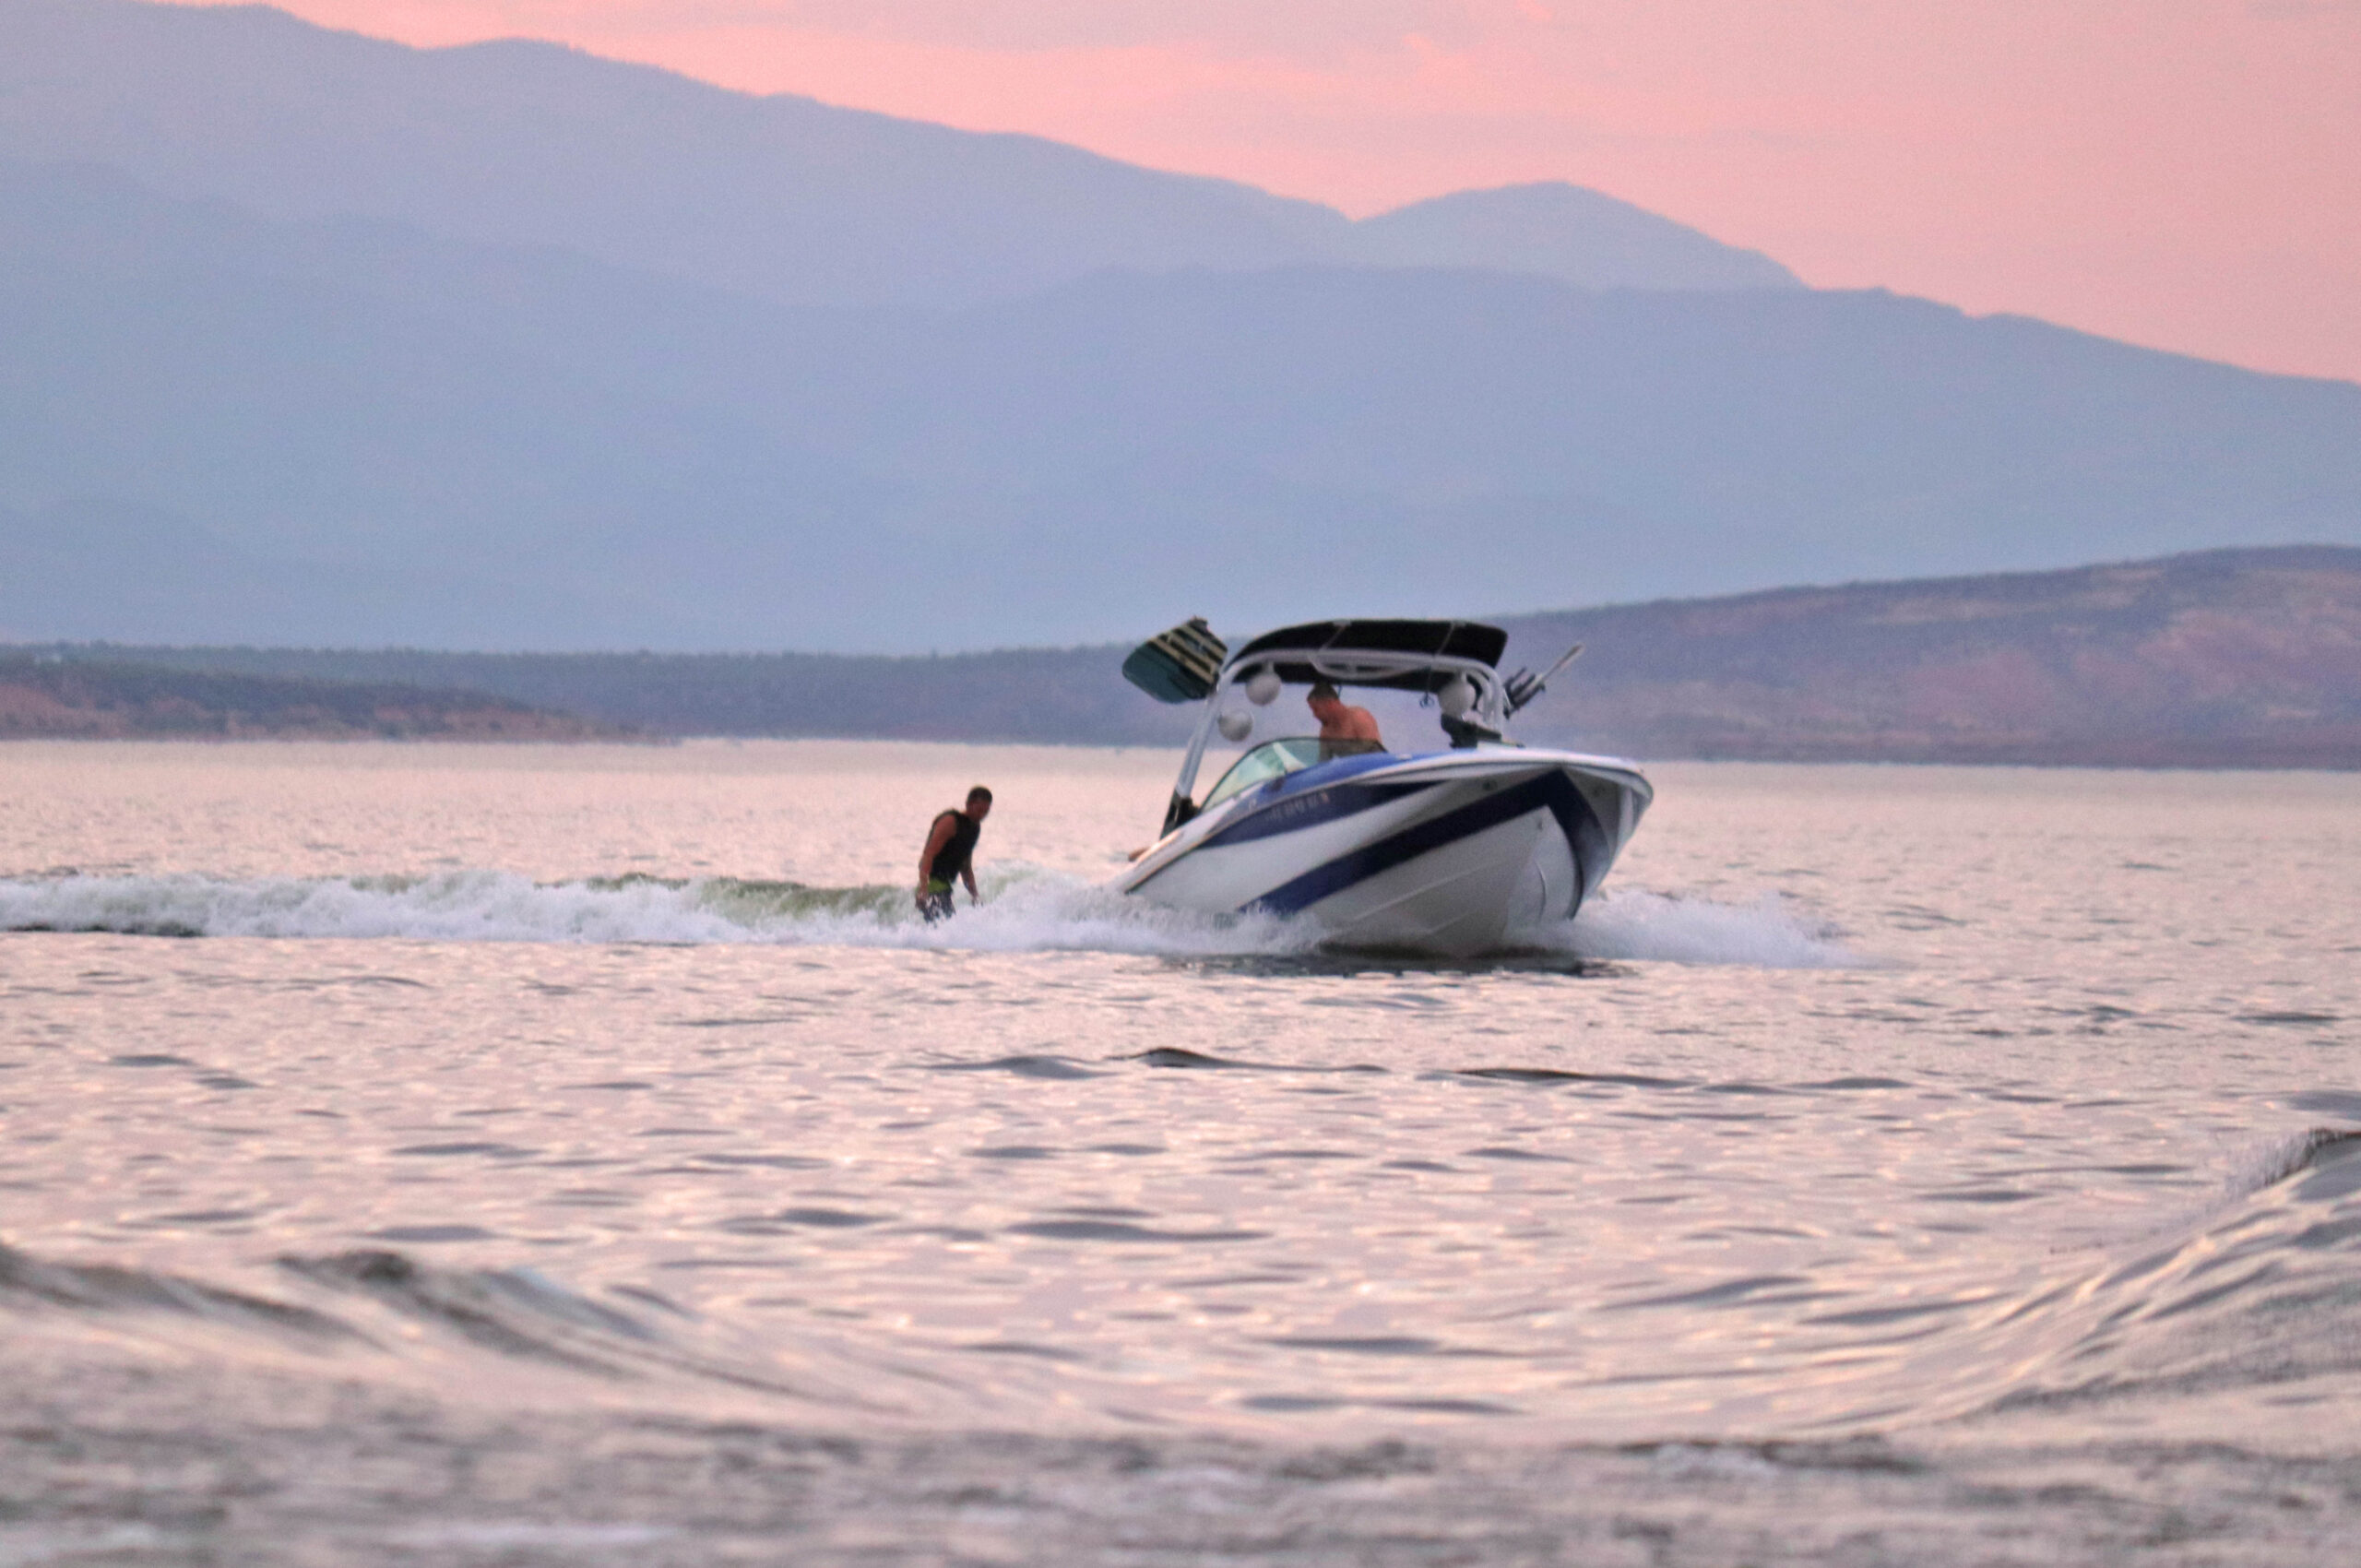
[(108, 565), (119, 569), (1563, 231), (369, 416), (535, 143), (777, 197)]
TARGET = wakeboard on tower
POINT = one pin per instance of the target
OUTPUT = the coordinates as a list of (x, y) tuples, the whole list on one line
[(1181, 665)]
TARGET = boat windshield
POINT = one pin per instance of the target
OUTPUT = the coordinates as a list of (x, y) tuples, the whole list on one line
[(1275, 759)]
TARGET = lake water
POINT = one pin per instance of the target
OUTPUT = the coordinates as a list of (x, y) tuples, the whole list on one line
[(573, 1155)]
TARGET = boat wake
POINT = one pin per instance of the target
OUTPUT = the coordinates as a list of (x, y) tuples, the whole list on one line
[(1641, 926), (2261, 1290), (1025, 909)]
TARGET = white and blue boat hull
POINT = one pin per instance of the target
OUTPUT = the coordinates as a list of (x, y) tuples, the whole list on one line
[(1455, 853)]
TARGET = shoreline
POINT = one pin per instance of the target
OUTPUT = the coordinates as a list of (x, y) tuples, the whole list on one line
[(644, 744)]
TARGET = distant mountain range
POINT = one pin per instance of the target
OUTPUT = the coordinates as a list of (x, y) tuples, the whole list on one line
[(307, 338), (2223, 659), (778, 198)]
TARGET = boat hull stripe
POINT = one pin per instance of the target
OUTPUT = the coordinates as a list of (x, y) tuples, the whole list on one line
[(1290, 813), (1552, 791)]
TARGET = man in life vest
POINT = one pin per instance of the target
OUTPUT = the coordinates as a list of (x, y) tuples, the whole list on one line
[(1343, 729), (950, 852)]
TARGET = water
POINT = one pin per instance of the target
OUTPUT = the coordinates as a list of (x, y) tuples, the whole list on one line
[(562, 1155)]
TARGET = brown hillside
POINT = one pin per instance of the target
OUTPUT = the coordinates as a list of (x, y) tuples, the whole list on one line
[(2247, 658), (2231, 659), (50, 698)]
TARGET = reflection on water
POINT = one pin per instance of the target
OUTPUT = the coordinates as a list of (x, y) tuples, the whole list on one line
[(1876, 1105)]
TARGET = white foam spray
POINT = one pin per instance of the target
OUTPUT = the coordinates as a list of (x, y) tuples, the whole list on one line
[(1770, 933), (1025, 909)]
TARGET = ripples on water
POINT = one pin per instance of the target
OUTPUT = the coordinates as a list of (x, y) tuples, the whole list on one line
[(1920, 1159)]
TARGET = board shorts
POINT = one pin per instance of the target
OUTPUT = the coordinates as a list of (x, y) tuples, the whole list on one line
[(936, 902)]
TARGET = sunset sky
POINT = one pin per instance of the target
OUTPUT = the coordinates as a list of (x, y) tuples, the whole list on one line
[(2185, 174)]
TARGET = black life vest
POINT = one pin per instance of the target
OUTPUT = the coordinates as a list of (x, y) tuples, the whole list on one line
[(952, 859)]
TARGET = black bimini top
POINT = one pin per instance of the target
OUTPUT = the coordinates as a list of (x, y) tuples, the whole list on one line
[(1449, 639)]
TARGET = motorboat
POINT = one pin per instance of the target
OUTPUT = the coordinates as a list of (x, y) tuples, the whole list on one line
[(1469, 847)]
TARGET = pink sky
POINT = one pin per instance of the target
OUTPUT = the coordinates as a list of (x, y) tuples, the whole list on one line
[(2185, 174)]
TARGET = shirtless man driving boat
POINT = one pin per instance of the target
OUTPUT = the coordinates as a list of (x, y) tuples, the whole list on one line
[(1343, 729)]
